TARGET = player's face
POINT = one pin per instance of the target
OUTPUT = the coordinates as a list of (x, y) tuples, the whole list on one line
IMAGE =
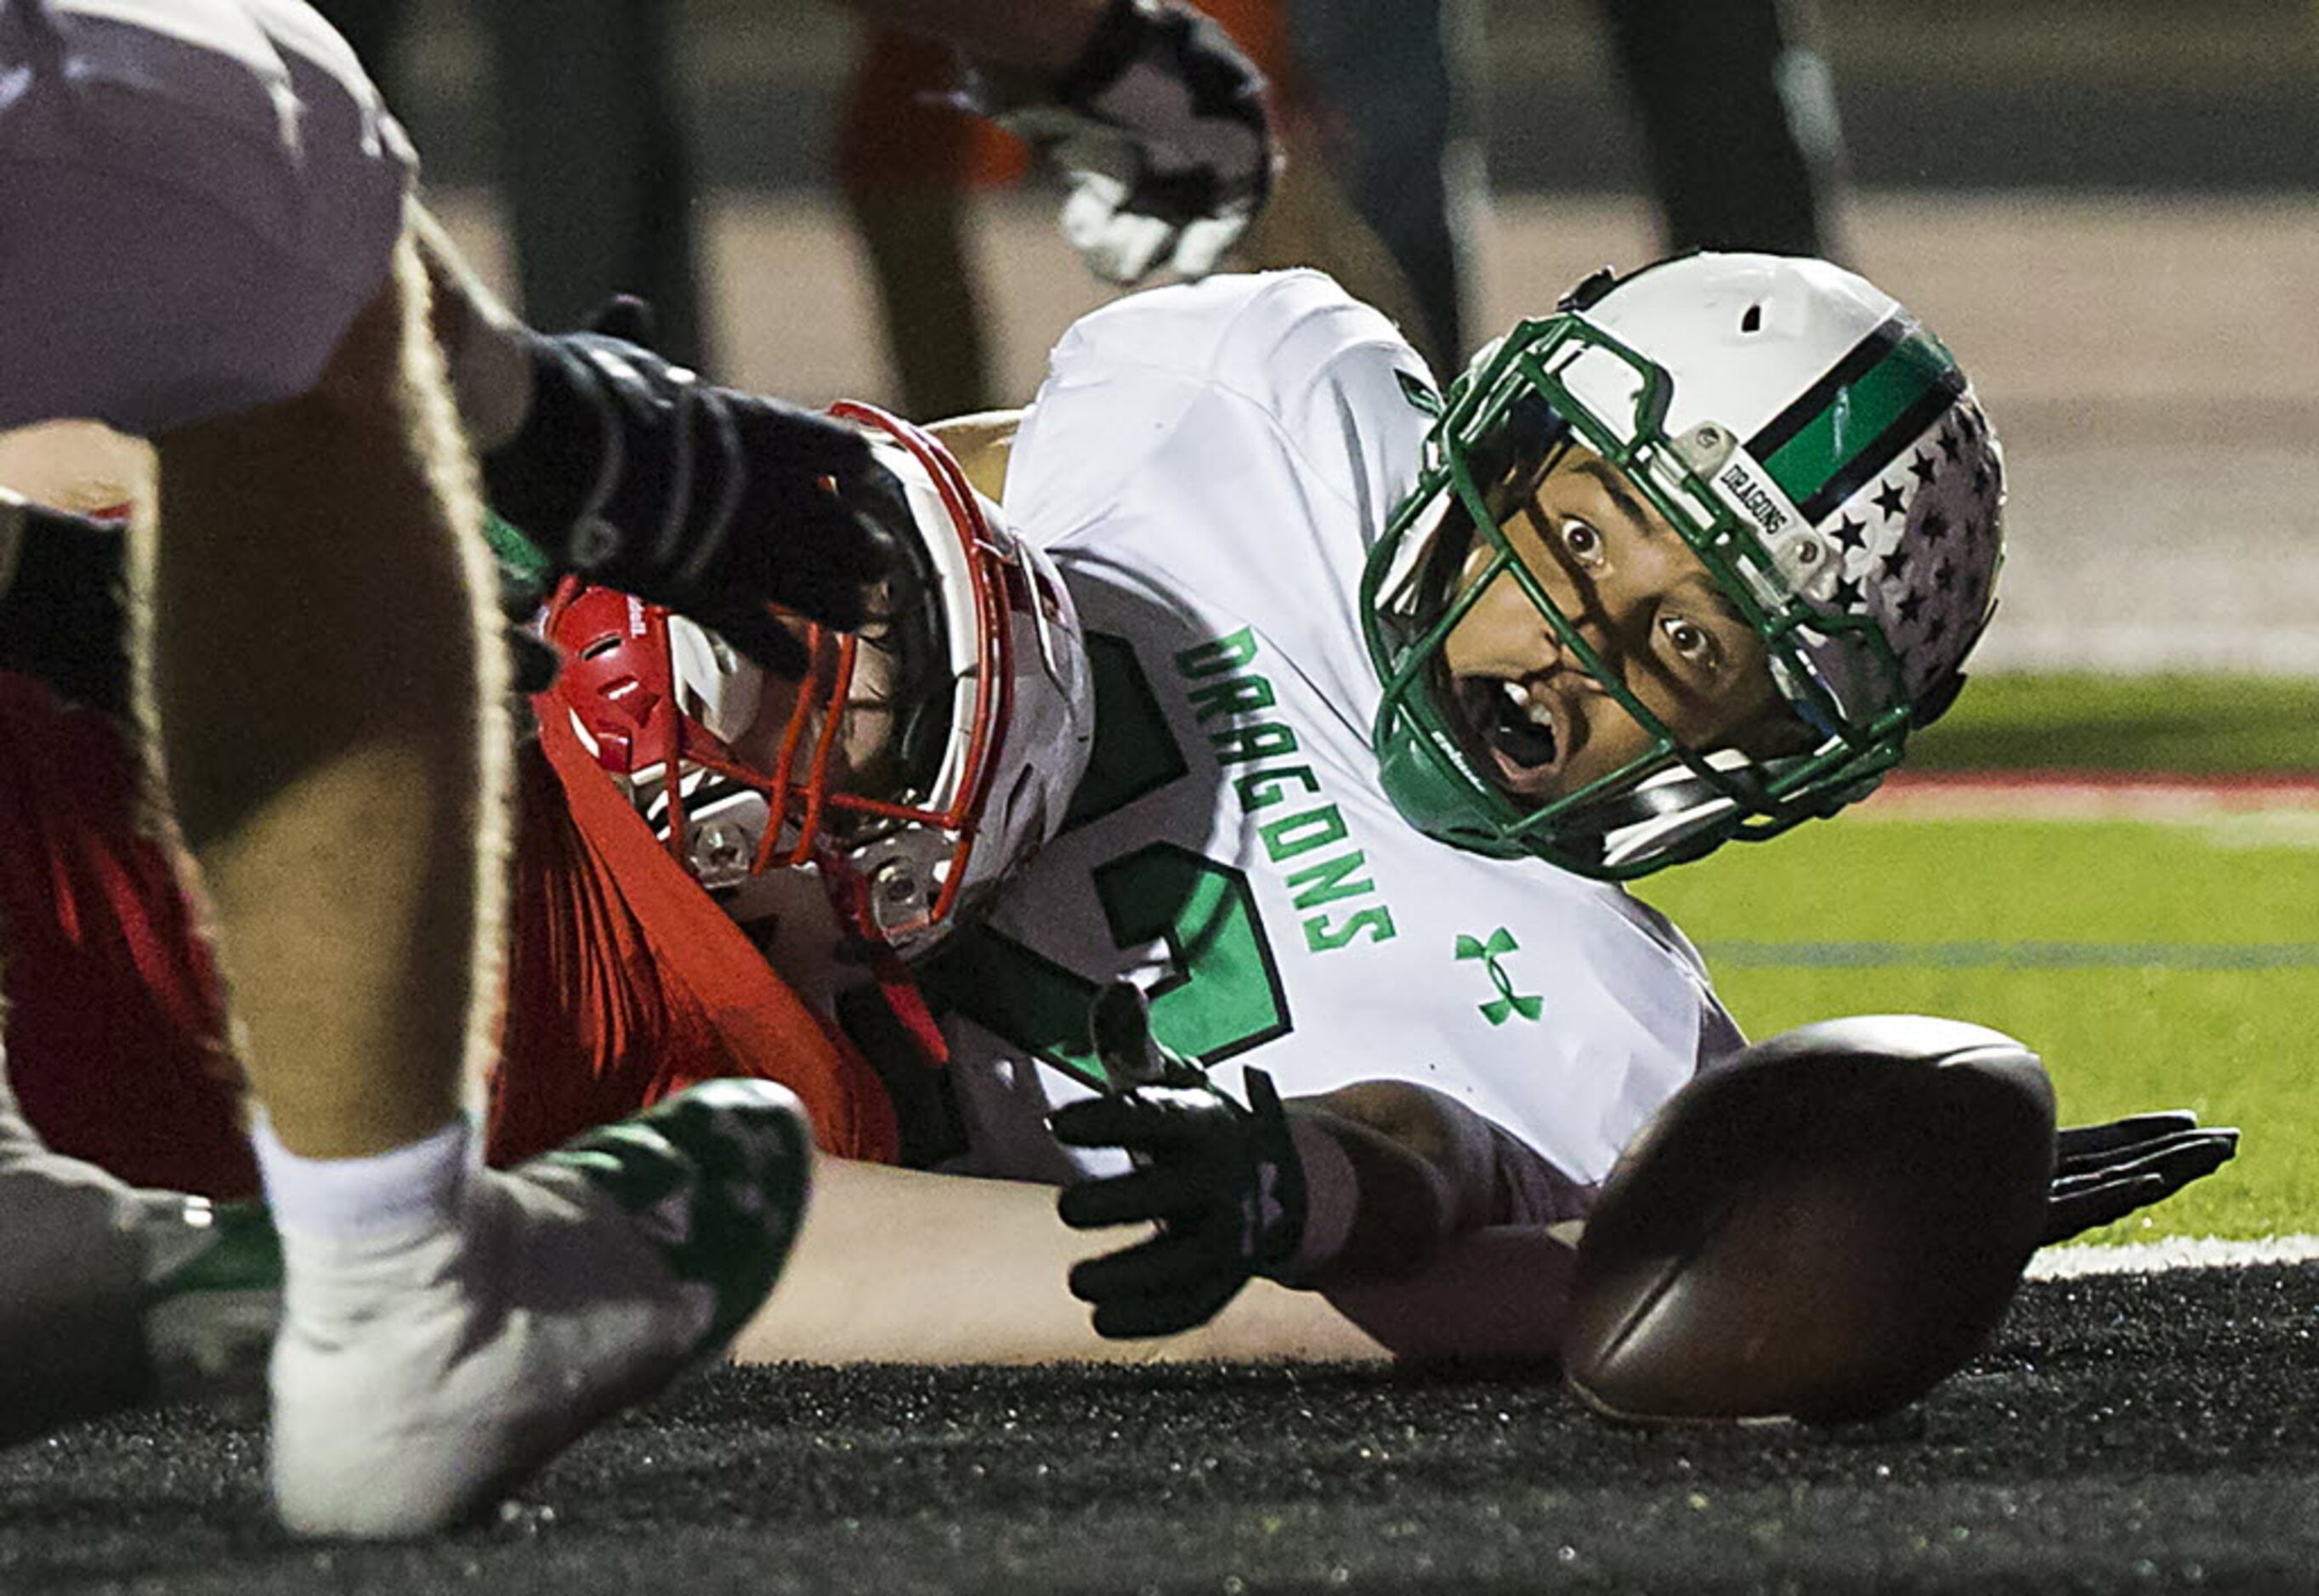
[(1530, 714), (867, 730)]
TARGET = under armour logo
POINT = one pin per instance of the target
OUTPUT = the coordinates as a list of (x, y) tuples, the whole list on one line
[(1508, 1003), (1263, 1213)]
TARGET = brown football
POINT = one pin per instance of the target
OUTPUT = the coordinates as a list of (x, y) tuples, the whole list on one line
[(1822, 1230)]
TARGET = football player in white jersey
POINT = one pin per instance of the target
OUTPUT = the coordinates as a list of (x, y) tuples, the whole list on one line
[(1392, 689)]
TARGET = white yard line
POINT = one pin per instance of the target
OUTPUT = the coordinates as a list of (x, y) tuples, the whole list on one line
[(2177, 1252)]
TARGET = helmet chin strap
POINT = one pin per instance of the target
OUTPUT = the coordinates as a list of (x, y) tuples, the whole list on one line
[(847, 895), (1659, 813), (1662, 812)]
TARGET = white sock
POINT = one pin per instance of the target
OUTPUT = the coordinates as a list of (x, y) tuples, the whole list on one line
[(407, 1190)]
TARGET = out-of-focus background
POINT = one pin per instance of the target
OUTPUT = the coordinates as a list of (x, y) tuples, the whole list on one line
[(2106, 207)]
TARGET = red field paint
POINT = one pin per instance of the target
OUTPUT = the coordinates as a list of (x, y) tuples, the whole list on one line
[(2089, 794)]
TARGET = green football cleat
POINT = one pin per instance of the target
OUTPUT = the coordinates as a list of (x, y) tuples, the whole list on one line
[(212, 1298), (419, 1377)]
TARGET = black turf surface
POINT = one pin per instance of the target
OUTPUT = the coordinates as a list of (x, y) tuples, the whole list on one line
[(2120, 1434)]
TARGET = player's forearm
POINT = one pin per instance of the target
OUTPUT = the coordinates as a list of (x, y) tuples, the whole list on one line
[(1393, 1172), (1498, 1294), (1374, 1208), (899, 1266)]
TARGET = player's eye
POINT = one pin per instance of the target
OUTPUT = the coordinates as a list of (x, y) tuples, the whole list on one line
[(1583, 542), (1690, 642)]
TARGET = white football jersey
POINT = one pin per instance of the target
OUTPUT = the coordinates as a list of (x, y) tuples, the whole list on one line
[(1209, 465)]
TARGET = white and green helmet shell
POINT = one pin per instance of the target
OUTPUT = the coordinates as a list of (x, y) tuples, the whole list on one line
[(1821, 453)]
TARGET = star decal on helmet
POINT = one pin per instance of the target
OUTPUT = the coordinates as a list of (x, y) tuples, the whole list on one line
[(1893, 500), (1924, 468), (1852, 532)]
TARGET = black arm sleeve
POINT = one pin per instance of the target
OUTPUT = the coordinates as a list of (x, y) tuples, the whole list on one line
[(63, 615)]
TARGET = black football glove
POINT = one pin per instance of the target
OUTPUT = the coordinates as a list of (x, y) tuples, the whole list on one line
[(2102, 1173), (1221, 1181), (1160, 127), (633, 474)]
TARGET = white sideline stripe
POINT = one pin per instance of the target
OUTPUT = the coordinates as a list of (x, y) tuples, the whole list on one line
[(2177, 1252)]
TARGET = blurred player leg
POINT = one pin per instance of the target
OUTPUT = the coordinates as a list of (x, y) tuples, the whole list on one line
[(316, 671), (908, 164), (600, 165), (1310, 221), (1391, 91), (1739, 123), (327, 702)]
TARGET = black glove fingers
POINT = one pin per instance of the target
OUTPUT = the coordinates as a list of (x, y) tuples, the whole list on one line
[(1135, 1317), (1167, 1266), (2077, 1143), (2201, 1148), (1139, 1120), (2183, 1157), (717, 502), (1132, 1271), (2099, 1202), (1158, 1192)]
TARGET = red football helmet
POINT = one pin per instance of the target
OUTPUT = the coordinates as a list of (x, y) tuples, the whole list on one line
[(922, 758)]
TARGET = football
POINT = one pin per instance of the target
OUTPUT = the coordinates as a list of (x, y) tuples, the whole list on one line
[(1821, 1229)]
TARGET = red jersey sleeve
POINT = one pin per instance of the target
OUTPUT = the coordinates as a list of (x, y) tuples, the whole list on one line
[(627, 983), (116, 1031)]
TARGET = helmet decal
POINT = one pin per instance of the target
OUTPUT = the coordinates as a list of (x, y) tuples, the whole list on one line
[(1850, 425)]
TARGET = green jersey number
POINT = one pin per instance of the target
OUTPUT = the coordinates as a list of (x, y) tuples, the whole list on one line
[(1222, 995)]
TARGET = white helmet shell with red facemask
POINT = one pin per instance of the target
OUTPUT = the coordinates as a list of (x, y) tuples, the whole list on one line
[(977, 672)]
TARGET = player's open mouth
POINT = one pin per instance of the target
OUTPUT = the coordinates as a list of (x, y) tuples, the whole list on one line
[(1519, 729)]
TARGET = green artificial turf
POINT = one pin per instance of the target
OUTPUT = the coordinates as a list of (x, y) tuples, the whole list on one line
[(2191, 724), (2152, 964)]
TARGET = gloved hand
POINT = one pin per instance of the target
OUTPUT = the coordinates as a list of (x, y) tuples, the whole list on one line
[(1221, 1181), (2105, 1172), (633, 474), (1160, 127)]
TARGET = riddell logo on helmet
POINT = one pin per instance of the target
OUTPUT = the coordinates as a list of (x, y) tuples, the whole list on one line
[(1753, 498)]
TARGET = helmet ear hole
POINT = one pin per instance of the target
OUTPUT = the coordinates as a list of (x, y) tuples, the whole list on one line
[(1751, 320)]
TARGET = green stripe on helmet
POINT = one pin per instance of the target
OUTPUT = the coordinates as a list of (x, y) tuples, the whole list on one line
[(1855, 433)]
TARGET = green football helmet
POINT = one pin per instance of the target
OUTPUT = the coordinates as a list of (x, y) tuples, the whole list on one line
[(1814, 447)]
